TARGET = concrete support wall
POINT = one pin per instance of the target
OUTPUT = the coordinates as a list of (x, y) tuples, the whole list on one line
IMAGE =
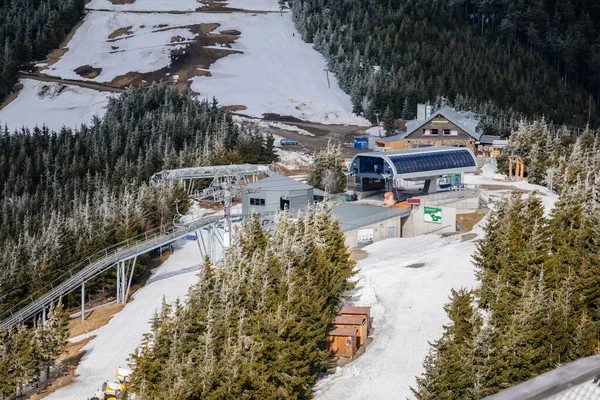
[(381, 230), (415, 225)]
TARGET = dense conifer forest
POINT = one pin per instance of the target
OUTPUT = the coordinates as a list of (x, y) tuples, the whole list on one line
[(68, 194), (514, 58), (27, 355), (538, 306), (29, 30), (253, 327)]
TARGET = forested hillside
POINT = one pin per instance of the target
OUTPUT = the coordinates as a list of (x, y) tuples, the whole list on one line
[(256, 325), (66, 195), (29, 30), (539, 302), (535, 57)]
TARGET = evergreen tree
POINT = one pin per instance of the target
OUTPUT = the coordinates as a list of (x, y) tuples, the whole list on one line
[(326, 170), (388, 121)]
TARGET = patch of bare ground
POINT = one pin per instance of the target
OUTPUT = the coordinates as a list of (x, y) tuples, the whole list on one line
[(220, 6), (56, 54), (122, 2), (358, 254), (416, 265), (8, 99), (177, 39), (233, 108), (64, 372), (87, 71), (190, 61), (468, 221), (114, 47), (121, 32), (467, 237), (94, 320), (299, 170), (231, 32)]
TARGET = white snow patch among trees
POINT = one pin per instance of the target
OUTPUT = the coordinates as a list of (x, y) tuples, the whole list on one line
[(54, 105), (293, 159), (376, 131)]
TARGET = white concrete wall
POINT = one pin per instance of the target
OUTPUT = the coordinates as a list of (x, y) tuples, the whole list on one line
[(380, 231), (415, 225)]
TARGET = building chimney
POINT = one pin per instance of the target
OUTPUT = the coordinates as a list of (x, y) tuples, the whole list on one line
[(421, 112)]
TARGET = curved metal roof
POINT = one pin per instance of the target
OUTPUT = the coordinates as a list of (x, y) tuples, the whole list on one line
[(426, 161)]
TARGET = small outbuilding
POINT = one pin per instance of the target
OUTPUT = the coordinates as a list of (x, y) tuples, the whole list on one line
[(276, 193), (357, 322), (349, 311), (341, 342)]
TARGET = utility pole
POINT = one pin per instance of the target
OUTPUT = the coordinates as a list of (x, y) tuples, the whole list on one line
[(377, 114), (227, 195), (327, 73)]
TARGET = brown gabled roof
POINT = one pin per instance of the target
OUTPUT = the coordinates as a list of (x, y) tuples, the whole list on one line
[(349, 320), (342, 332), (354, 310)]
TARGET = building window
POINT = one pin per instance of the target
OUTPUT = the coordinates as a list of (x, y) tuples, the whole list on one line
[(257, 202), (446, 131), (434, 131)]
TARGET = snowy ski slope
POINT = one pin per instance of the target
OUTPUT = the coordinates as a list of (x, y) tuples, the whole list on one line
[(407, 306), (120, 337), (53, 105)]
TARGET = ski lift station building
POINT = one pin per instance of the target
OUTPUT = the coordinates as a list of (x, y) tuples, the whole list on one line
[(389, 171)]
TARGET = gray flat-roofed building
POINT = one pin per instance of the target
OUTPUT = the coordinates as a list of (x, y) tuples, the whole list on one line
[(275, 193), (384, 170), (363, 224)]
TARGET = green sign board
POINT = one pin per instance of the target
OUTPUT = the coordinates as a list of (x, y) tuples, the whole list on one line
[(432, 214)]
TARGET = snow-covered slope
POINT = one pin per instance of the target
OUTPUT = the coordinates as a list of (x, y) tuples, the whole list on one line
[(407, 305), (53, 105), (275, 73), (146, 5), (256, 5), (407, 310), (120, 337), (142, 44)]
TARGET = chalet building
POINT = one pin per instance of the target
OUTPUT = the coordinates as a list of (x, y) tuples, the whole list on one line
[(444, 127)]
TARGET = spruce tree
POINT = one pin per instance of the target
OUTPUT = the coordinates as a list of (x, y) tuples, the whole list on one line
[(388, 121)]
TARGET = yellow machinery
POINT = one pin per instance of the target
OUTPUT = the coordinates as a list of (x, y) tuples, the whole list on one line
[(123, 375), (113, 390)]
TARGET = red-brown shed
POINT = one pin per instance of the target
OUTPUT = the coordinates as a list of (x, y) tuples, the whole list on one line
[(342, 342), (354, 321), (349, 310)]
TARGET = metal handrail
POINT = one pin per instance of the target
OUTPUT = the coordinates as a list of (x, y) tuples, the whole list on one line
[(102, 261), (558, 381)]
